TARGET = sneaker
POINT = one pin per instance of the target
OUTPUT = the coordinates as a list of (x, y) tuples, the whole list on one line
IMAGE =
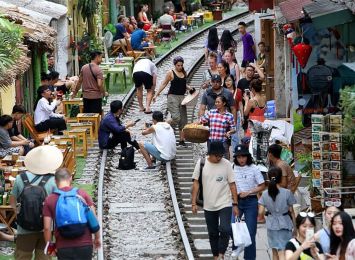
[(149, 168), (182, 143)]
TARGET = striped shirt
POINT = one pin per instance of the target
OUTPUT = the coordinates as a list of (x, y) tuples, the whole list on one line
[(219, 124), (247, 177)]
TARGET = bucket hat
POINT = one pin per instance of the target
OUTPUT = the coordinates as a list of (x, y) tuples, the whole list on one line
[(241, 150), (216, 147), (43, 159)]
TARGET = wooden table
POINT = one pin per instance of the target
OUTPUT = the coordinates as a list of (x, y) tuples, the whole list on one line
[(8, 217), (72, 101), (90, 117)]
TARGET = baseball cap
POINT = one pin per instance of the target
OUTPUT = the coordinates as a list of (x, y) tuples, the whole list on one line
[(216, 77)]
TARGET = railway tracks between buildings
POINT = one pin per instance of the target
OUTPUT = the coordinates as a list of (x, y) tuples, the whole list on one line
[(147, 215)]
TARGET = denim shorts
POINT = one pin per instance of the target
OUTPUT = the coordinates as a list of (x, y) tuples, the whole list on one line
[(278, 238), (153, 151)]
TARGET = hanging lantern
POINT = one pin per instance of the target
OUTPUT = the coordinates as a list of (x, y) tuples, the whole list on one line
[(302, 52)]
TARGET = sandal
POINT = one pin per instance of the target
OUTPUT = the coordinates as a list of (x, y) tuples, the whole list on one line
[(148, 112)]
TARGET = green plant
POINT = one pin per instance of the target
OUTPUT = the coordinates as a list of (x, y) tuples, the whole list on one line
[(88, 10), (111, 28), (305, 161), (85, 46), (10, 40), (347, 104)]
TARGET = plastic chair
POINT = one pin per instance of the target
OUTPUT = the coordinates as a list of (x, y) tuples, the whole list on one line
[(166, 34)]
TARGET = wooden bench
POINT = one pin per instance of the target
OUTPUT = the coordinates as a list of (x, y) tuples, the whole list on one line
[(29, 123)]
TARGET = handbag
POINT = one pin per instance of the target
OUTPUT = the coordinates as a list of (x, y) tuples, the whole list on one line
[(241, 236)]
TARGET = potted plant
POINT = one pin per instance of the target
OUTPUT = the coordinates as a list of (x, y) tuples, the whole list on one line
[(347, 103)]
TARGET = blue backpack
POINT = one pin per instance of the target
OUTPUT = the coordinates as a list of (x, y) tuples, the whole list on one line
[(70, 214)]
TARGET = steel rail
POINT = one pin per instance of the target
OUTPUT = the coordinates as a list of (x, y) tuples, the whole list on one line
[(126, 101)]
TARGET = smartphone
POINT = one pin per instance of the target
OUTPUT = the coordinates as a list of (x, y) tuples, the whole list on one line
[(147, 125), (137, 120), (247, 91), (309, 234)]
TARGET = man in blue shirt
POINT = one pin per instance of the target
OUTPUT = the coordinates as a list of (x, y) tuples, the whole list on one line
[(112, 132), (138, 38), (121, 32)]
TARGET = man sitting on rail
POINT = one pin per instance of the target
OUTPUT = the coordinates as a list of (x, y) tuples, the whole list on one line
[(163, 147), (112, 131)]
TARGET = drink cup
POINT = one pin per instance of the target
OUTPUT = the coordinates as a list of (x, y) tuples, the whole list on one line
[(15, 156)]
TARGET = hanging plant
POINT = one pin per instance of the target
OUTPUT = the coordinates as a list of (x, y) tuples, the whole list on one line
[(87, 9)]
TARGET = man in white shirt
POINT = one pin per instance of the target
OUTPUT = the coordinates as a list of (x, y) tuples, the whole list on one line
[(145, 73), (44, 115), (163, 147)]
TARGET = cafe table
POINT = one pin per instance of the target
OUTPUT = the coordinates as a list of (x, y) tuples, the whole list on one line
[(72, 101)]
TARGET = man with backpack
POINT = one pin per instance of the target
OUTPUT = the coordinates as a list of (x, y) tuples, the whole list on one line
[(73, 239), (216, 177), (27, 198)]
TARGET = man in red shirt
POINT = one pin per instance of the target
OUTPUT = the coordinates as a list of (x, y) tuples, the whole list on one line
[(76, 248), (92, 81)]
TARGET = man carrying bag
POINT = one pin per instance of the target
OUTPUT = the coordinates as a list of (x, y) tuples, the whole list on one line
[(218, 190)]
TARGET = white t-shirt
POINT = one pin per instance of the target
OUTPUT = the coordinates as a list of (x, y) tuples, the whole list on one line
[(215, 181), (247, 177), (145, 65), (164, 140)]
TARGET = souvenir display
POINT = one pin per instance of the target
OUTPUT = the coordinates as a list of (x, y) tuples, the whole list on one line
[(326, 153)]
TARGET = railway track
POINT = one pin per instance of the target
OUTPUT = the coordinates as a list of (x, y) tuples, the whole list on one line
[(147, 215)]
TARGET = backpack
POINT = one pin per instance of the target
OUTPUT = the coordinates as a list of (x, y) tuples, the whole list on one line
[(199, 200), (126, 161), (31, 202), (70, 213)]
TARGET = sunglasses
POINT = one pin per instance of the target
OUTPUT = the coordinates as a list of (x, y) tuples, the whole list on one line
[(329, 203), (307, 214)]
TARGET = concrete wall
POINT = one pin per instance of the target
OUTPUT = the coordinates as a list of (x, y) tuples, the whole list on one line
[(7, 99), (62, 47)]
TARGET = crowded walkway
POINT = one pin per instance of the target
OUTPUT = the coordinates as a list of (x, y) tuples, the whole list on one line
[(246, 174)]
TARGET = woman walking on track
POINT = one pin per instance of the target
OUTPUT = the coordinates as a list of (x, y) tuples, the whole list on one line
[(278, 201), (178, 79), (250, 182), (221, 123)]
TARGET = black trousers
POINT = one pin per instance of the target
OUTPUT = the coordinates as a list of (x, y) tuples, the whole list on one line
[(53, 123), (92, 105), (75, 253), (121, 138)]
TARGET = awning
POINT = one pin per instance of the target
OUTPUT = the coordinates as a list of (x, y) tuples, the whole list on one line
[(292, 9), (34, 30), (326, 13), (42, 10)]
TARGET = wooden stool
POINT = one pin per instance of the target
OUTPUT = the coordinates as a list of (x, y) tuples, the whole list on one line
[(57, 139), (94, 118), (88, 126), (80, 134), (208, 17), (8, 217)]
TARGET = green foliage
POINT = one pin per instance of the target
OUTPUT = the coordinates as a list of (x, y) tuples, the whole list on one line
[(10, 38), (85, 46), (87, 8), (305, 160), (111, 28), (347, 103)]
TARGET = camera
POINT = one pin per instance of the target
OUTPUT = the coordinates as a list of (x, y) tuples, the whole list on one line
[(147, 125)]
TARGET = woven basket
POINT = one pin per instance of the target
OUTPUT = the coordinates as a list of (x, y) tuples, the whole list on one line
[(316, 205), (195, 134)]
